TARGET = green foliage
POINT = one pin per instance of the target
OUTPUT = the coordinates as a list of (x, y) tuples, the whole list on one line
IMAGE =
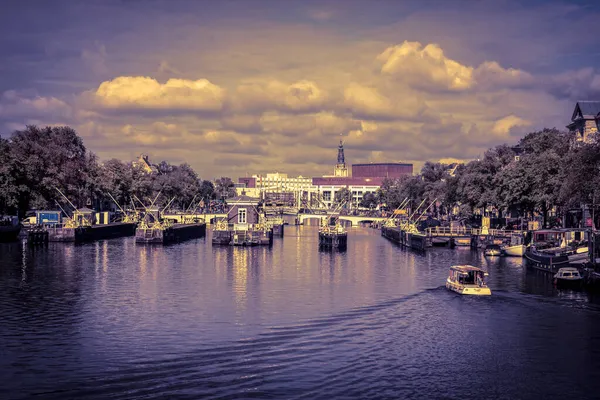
[(342, 196), (35, 162), (369, 200), (224, 188)]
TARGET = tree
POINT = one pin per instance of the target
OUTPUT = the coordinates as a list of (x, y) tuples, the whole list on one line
[(48, 159), (342, 196), (224, 188), (369, 200), (9, 190), (207, 190)]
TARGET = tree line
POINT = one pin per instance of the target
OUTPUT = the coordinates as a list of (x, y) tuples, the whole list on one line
[(546, 171), (36, 163)]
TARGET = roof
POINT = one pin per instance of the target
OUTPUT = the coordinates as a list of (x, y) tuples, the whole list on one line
[(387, 163), (586, 110), (465, 268), (243, 199), (347, 181)]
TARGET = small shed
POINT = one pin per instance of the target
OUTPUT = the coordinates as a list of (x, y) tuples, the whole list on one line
[(243, 210), (84, 216)]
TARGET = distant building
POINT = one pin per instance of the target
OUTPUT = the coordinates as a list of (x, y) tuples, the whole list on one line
[(328, 186), (144, 163), (340, 168), (381, 170), (276, 187), (365, 179), (585, 121)]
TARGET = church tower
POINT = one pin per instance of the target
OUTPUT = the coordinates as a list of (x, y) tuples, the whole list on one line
[(340, 167)]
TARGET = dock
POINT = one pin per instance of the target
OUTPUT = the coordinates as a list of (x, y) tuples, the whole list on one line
[(234, 235), (407, 237), (88, 233)]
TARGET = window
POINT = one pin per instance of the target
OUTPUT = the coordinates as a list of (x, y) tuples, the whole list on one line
[(242, 216), (327, 195)]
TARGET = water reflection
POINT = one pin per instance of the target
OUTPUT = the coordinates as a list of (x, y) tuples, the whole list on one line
[(114, 319)]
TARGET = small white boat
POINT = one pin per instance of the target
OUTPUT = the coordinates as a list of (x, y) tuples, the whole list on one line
[(568, 276), (515, 251), (516, 248), (467, 279), (492, 250)]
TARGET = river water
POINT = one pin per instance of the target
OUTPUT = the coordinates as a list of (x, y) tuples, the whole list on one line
[(113, 319)]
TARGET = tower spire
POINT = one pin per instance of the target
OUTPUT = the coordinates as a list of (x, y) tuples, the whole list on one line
[(340, 167), (341, 159)]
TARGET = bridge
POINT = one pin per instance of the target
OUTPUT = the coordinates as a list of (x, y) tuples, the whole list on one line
[(354, 219)]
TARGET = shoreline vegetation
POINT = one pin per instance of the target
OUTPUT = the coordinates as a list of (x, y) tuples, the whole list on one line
[(546, 174)]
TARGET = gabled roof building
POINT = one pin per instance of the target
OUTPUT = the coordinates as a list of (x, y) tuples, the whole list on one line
[(585, 121)]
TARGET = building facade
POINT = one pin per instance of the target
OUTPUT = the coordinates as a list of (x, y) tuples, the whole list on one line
[(326, 187), (320, 192), (585, 121), (276, 187), (381, 170)]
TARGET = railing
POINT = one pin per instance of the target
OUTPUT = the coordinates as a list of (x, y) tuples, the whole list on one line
[(448, 231), (459, 231)]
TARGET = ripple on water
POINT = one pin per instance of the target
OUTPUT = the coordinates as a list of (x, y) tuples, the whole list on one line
[(116, 320)]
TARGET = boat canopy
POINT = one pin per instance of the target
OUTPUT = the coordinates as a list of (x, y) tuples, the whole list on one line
[(465, 269)]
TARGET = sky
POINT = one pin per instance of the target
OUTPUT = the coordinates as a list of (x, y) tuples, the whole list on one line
[(242, 87)]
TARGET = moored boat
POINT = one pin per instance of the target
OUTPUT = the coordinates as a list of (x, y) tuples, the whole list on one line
[(9, 229), (468, 280), (568, 276), (492, 250), (555, 248), (332, 235), (516, 248)]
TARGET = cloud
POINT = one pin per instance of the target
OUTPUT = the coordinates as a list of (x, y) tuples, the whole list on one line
[(14, 106), (96, 58), (300, 96), (428, 68), (425, 67), (369, 103), (262, 94), (504, 125), (138, 92)]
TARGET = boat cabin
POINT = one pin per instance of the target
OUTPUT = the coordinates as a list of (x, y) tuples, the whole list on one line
[(83, 217), (467, 275), (568, 273), (564, 238)]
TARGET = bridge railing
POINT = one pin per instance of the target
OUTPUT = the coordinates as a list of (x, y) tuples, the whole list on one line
[(456, 231), (448, 231)]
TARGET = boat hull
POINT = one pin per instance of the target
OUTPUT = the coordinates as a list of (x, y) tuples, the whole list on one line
[(9, 233), (515, 251), (171, 234), (471, 290), (551, 262), (333, 240), (568, 283)]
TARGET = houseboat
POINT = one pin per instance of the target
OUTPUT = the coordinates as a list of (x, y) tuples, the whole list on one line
[(516, 247), (568, 276), (468, 280), (9, 228), (332, 235), (552, 249), (245, 224)]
